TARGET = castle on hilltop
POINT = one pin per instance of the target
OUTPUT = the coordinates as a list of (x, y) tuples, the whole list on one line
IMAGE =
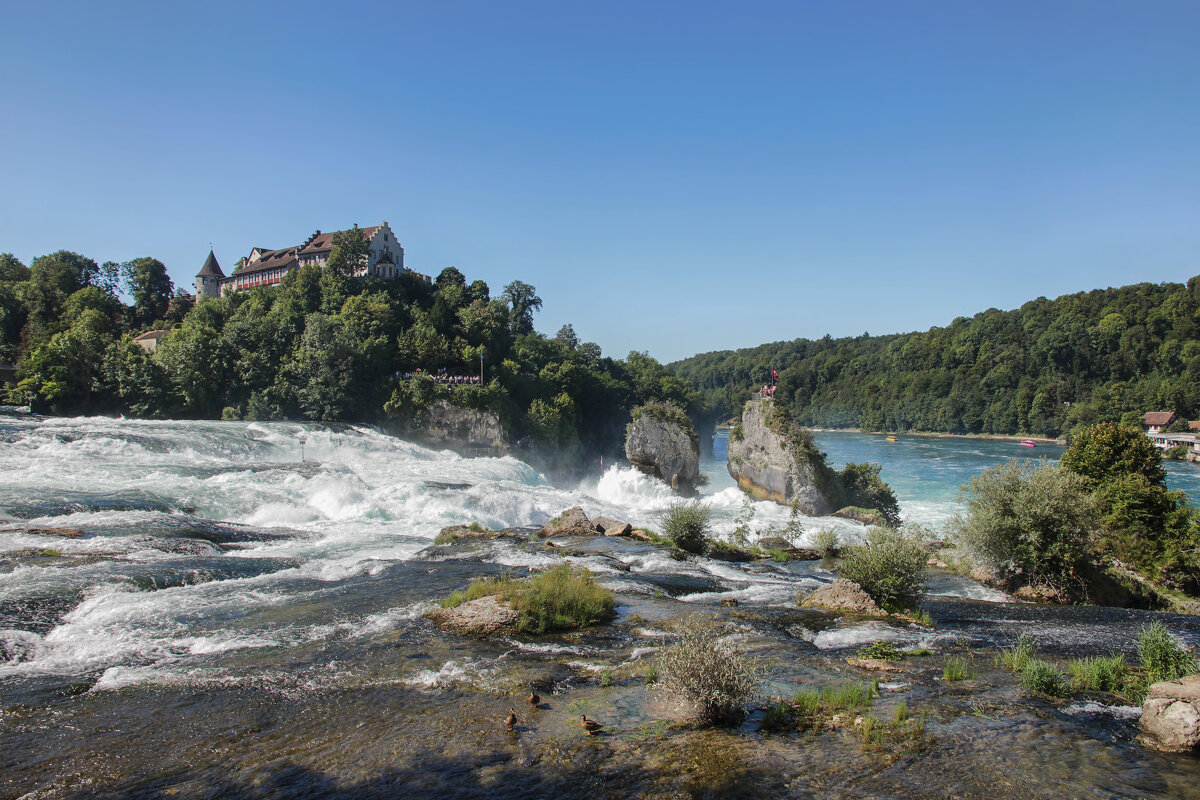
[(265, 267)]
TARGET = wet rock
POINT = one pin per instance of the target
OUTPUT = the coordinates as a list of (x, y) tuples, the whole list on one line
[(62, 533), (762, 461), (865, 516), (572, 522), (663, 444), (843, 595), (793, 553), (877, 664), (612, 527), (1171, 715), (447, 424), (453, 533), (485, 615), (641, 535)]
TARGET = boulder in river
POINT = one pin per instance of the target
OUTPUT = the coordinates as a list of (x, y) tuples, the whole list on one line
[(1171, 715), (843, 595), (771, 466), (477, 617), (572, 522), (613, 527), (662, 442)]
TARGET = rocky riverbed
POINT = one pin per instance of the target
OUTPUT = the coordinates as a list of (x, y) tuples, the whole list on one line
[(400, 707)]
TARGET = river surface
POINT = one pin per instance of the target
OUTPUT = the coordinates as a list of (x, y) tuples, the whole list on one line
[(213, 609)]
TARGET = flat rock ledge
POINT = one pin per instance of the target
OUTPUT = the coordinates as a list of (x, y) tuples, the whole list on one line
[(844, 595), (480, 617), (455, 532), (877, 664), (1171, 715)]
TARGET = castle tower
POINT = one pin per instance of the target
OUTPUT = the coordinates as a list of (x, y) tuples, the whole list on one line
[(208, 279)]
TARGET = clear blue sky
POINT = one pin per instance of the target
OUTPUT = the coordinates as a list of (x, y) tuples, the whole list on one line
[(672, 177)]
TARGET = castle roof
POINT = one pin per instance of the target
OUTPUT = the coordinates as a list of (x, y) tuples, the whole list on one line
[(323, 242), (271, 259), (211, 268)]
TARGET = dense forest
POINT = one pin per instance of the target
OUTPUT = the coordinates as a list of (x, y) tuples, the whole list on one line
[(1044, 369), (322, 345)]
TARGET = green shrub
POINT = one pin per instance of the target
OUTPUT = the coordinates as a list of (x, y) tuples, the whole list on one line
[(778, 556), (862, 486), (1161, 656), (827, 542), (879, 649), (1029, 524), (713, 676), (561, 598), (890, 567), (1098, 673), (956, 669), (686, 525), (1043, 677)]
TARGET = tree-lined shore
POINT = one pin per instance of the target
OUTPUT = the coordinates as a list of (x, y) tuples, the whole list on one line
[(1107, 355)]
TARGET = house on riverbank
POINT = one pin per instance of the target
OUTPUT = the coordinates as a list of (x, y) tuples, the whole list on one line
[(1155, 421)]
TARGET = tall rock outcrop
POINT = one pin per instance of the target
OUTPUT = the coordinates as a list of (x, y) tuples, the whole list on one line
[(662, 442), (462, 428), (771, 467)]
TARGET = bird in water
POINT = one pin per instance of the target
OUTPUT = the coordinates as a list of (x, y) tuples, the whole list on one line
[(534, 699), (510, 720), (589, 725)]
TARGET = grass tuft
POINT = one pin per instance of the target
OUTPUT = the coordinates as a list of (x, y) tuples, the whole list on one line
[(957, 669), (1161, 655), (561, 598)]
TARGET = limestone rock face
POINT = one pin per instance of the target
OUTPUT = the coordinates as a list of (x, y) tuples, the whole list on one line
[(761, 462), (451, 425), (478, 617), (664, 450), (843, 595), (1171, 714), (572, 522)]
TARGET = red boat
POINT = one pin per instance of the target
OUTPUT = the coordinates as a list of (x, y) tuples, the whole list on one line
[(1028, 443)]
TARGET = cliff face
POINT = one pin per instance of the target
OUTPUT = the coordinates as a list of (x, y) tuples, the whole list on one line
[(663, 449), (762, 462), (455, 427)]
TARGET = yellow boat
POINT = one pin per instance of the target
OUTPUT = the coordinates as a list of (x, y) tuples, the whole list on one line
[(891, 438)]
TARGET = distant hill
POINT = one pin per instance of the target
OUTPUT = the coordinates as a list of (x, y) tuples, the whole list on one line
[(1041, 369)]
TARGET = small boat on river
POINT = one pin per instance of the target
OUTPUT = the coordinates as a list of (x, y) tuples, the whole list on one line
[(1028, 443), (891, 439)]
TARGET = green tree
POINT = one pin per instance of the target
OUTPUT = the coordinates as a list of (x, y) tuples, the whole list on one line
[(11, 269), (522, 302), (350, 252), (147, 282), (1108, 450)]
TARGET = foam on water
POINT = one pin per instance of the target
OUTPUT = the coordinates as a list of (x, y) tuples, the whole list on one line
[(289, 512)]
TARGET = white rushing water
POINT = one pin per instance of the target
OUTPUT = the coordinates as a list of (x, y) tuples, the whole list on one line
[(247, 532)]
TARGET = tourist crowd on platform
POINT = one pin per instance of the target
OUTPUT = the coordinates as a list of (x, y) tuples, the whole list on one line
[(442, 376)]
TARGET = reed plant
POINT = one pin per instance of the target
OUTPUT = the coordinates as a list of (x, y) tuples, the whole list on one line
[(1016, 657), (1044, 677), (957, 669), (1162, 656), (1099, 674)]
